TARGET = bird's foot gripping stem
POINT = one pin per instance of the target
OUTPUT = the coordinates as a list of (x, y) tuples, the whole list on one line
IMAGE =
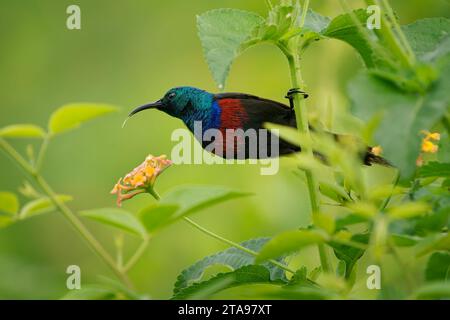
[(290, 95)]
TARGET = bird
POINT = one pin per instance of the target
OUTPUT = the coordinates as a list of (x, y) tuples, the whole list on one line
[(233, 111)]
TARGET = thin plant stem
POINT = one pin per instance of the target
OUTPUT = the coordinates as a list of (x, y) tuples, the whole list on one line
[(137, 255), (269, 4), (234, 244), (224, 240), (42, 151), (66, 212)]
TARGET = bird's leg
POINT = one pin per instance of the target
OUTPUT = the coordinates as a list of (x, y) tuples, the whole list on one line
[(290, 95)]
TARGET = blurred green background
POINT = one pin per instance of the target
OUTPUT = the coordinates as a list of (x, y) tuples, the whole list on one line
[(129, 53)]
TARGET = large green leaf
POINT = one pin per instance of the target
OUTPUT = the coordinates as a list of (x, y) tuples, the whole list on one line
[(242, 276), (223, 33), (233, 258), (289, 242), (434, 291), (438, 267), (22, 131), (343, 28), (71, 116), (118, 218), (429, 37), (9, 203), (41, 206)]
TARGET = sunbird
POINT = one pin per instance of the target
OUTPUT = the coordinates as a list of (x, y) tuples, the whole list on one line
[(234, 111)]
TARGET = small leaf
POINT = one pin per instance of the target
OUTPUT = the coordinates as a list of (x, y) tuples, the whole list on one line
[(408, 210), (403, 240), (157, 216), (363, 209), (41, 206), (22, 131), (434, 169), (350, 255), (434, 291), (90, 292), (333, 192), (289, 242), (438, 267), (233, 258), (9, 203), (191, 199), (118, 218), (223, 33), (325, 222), (71, 116), (286, 133)]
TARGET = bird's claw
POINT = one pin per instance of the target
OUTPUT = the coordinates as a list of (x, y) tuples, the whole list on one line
[(290, 95)]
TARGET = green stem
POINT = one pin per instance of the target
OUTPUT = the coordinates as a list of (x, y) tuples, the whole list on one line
[(269, 4), (67, 213), (301, 113), (224, 240), (234, 244), (137, 255), (42, 152)]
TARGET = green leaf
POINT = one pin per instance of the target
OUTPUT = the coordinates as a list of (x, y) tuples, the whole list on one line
[(408, 210), (244, 275), (434, 291), (427, 36), (343, 28), (403, 240), (434, 169), (22, 131), (41, 206), (288, 242), (157, 216), (71, 116), (90, 292), (9, 203), (233, 258), (350, 255), (192, 198), (223, 33), (6, 221), (438, 267), (117, 218)]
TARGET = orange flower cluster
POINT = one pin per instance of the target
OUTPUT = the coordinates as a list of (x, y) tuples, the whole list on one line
[(141, 179), (427, 144)]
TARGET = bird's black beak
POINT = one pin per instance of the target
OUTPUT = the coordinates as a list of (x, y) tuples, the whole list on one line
[(152, 105)]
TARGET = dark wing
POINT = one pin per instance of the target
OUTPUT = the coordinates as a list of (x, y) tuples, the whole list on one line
[(246, 111)]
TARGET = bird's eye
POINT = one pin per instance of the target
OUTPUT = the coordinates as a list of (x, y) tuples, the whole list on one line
[(172, 95)]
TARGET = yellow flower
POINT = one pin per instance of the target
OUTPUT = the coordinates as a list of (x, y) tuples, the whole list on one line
[(429, 147), (141, 179)]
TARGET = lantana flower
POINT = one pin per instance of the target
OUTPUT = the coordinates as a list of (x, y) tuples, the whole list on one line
[(141, 179), (428, 145)]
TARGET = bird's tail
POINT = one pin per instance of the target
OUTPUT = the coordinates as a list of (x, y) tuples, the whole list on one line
[(371, 158)]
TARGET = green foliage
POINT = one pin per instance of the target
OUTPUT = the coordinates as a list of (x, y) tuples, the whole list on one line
[(22, 131), (232, 258), (41, 206), (9, 203), (117, 218), (434, 169), (348, 254), (245, 275), (289, 242), (71, 116), (438, 267), (223, 33)]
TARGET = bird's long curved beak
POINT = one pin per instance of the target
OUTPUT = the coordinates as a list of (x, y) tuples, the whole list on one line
[(153, 105)]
